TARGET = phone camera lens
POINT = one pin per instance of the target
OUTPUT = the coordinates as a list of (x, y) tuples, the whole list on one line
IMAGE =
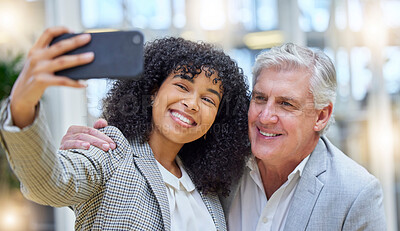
[(136, 39)]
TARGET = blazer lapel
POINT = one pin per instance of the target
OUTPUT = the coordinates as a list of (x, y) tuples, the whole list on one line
[(214, 207), (144, 158), (308, 190)]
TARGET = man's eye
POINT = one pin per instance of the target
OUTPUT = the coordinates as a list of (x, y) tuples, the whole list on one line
[(286, 104), (259, 98)]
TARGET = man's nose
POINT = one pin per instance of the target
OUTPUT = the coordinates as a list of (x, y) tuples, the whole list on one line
[(268, 114)]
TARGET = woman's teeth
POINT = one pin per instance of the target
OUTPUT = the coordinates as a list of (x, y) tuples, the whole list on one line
[(182, 118)]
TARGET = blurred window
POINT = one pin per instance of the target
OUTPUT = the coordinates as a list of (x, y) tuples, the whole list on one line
[(242, 12), (254, 14), (391, 9), (361, 76), (101, 13), (151, 14), (341, 15), (343, 73), (179, 15), (391, 69), (315, 15), (355, 15), (245, 60), (267, 14), (212, 15), (95, 92)]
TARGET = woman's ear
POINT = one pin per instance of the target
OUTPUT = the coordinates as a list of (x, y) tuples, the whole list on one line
[(323, 117), (152, 98)]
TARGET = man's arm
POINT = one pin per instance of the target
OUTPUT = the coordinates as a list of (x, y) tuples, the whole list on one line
[(367, 211)]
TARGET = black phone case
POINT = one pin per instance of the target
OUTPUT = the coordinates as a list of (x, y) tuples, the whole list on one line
[(118, 55)]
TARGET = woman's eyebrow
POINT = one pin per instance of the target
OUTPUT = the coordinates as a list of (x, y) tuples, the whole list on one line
[(214, 92), (192, 81), (183, 77)]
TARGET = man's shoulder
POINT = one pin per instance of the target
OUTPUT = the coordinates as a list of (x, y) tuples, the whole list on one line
[(344, 171)]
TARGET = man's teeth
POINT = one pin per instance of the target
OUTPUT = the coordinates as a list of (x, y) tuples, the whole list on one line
[(182, 118), (268, 134)]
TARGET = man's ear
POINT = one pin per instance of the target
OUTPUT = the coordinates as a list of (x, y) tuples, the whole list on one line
[(323, 117)]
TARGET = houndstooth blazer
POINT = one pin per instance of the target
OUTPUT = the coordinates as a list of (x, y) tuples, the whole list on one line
[(121, 189)]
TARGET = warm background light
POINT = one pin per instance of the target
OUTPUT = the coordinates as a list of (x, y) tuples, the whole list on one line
[(10, 220), (13, 215)]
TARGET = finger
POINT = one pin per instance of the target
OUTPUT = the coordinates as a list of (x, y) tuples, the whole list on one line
[(91, 132), (100, 123), (68, 61), (66, 45), (74, 144), (93, 140), (48, 35), (100, 135), (91, 135), (48, 80), (75, 129)]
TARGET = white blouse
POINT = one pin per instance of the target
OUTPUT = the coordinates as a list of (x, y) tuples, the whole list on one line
[(250, 209), (187, 209)]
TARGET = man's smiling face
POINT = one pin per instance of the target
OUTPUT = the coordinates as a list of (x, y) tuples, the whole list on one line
[(282, 117)]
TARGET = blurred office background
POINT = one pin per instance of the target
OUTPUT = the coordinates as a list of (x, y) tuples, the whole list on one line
[(361, 36)]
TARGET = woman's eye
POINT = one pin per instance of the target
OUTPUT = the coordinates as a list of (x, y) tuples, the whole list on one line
[(209, 101), (181, 86)]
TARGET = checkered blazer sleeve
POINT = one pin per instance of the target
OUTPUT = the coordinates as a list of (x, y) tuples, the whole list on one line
[(51, 177)]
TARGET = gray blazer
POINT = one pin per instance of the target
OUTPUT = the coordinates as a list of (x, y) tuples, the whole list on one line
[(120, 189), (334, 193)]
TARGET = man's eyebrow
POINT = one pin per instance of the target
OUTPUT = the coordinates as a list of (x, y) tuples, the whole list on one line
[(287, 98), (255, 92), (214, 92), (290, 99)]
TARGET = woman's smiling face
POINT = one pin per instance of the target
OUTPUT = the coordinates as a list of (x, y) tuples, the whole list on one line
[(185, 109)]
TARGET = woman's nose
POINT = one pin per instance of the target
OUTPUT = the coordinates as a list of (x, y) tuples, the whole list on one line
[(191, 103)]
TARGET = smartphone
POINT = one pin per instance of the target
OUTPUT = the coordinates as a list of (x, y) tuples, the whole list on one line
[(117, 55)]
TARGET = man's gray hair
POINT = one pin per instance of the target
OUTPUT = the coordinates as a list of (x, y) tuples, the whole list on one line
[(291, 57)]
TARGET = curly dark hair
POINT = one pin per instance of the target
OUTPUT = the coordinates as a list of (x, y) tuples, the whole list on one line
[(215, 162)]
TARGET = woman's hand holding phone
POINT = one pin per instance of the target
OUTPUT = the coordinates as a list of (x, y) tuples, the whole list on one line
[(38, 72)]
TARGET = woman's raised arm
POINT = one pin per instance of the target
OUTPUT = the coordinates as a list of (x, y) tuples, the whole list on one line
[(38, 72)]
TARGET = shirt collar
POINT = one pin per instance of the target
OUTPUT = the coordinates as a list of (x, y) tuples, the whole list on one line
[(183, 183), (252, 165), (301, 166)]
